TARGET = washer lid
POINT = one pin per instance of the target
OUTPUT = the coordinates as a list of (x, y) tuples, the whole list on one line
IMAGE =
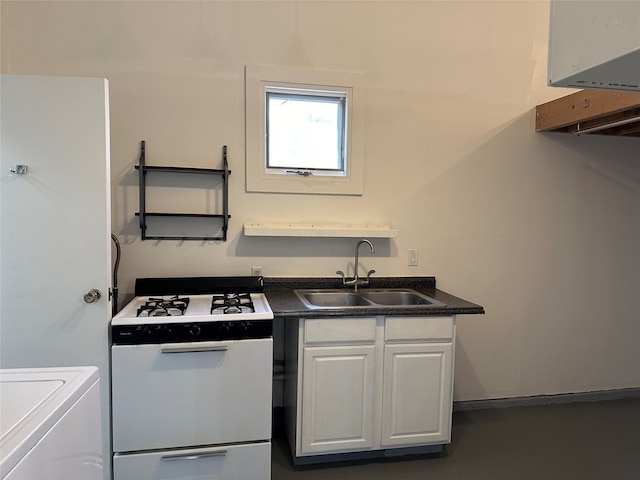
[(33, 400), (21, 397)]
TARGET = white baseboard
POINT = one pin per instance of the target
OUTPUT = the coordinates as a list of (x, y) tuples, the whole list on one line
[(597, 396)]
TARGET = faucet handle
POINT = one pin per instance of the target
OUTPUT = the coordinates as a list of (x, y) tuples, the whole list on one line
[(369, 273), (344, 278)]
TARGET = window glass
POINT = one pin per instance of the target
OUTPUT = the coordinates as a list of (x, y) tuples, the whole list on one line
[(305, 131)]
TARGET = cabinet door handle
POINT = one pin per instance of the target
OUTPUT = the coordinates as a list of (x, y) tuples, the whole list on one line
[(192, 456), (192, 347)]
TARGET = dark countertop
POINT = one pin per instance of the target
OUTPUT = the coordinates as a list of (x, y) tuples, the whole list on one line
[(285, 303)]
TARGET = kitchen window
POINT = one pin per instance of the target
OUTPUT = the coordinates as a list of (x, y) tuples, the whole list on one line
[(304, 131)]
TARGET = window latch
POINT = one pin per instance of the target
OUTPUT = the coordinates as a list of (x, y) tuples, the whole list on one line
[(304, 173)]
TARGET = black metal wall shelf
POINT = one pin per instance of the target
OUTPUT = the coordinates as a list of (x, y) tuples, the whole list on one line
[(144, 214)]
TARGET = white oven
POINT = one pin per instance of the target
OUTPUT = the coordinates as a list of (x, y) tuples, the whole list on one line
[(191, 384)]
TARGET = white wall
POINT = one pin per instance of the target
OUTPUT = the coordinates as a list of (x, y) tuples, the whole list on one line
[(541, 229)]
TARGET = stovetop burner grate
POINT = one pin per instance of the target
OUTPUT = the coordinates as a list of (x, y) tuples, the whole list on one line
[(229, 303), (161, 307)]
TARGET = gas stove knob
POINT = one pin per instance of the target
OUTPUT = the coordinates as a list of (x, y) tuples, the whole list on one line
[(144, 330), (195, 330)]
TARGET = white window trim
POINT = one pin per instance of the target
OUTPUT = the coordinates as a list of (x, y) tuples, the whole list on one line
[(257, 79)]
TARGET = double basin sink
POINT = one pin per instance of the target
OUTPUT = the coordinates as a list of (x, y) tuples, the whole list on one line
[(372, 298)]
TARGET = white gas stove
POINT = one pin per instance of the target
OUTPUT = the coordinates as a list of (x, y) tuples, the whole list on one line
[(191, 380)]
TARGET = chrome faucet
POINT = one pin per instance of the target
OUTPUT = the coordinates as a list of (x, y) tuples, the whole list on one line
[(355, 281)]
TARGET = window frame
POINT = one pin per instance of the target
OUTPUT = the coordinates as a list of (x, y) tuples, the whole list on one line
[(259, 81), (297, 94)]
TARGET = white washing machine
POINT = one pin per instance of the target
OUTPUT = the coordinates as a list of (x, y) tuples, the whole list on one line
[(50, 424)]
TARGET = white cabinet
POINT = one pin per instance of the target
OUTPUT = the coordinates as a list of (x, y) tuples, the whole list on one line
[(343, 377), (416, 402), (337, 378), (417, 380), (594, 45), (358, 384)]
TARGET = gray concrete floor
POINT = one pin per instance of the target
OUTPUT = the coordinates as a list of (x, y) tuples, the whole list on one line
[(585, 441)]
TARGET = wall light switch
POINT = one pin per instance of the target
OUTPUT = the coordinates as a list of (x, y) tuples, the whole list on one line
[(413, 257)]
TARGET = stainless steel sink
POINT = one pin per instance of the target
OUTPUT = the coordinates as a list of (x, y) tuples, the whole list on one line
[(397, 297), (332, 298), (388, 297)]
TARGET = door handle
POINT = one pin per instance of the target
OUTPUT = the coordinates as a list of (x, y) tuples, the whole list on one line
[(92, 295)]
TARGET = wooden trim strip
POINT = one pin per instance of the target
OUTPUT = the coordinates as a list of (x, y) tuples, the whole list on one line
[(583, 106)]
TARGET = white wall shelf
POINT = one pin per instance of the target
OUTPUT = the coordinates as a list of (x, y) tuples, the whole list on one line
[(318, 230)]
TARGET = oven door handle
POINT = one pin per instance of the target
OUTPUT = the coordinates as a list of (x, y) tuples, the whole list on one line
[(193, 455), (193, 347)]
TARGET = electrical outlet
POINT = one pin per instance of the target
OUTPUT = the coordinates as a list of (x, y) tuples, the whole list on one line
[(413, 257), (256, 271)]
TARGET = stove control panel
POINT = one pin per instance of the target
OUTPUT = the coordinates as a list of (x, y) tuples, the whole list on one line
[(190, 332)]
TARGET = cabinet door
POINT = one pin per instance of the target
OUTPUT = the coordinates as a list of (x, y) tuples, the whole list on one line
[(337, 399), (417, 394)]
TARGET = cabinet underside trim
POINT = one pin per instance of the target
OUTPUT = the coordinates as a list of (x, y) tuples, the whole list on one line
[(591, 111)]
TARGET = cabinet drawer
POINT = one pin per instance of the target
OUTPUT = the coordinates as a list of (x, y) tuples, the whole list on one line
[(418, 328), (214, 463), (340, 330)]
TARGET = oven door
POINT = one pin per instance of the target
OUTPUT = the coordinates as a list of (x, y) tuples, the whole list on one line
[(182, 394)]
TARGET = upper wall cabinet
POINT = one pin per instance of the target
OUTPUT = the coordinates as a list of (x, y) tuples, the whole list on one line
[(595, 44)]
